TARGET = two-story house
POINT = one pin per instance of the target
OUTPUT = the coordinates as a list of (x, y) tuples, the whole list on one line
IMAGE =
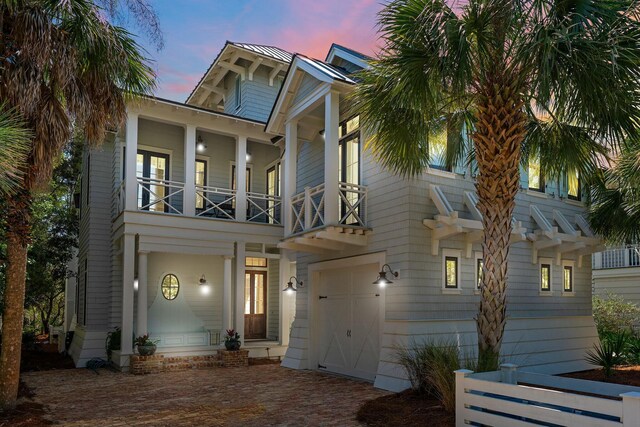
[(196, 216)]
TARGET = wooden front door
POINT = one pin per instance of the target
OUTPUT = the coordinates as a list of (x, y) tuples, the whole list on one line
[(255, 304)]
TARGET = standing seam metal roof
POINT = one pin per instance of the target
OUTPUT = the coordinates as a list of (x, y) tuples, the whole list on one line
[(330, 70), (271, 51)]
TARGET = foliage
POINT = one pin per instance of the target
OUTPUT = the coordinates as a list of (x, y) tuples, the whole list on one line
[(144, 340), (53, 241), (65, 67), (525, 79), (614, 199), (612, 314), (14, 147), (609, 353), (231, 336), (430, 367), (113, 342)]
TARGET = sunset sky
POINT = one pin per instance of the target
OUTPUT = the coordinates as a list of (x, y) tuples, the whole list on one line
[(196, 30)]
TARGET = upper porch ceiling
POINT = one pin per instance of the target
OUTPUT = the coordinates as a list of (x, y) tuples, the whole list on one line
[(242, 59)]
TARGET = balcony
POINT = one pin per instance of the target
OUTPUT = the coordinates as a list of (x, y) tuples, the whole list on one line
[(625, 257), (311, 229), (167, 197)]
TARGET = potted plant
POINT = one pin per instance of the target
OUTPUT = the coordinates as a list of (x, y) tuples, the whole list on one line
[(232, 340), (146, 346)]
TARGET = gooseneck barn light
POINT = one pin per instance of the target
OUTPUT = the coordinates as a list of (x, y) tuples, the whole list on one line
[(290, 289), (382, 280)]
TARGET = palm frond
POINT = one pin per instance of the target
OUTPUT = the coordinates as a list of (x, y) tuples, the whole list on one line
[(14, 148)]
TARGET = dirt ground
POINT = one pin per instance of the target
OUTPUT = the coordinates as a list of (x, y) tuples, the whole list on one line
[(406, 409), (625, 375)]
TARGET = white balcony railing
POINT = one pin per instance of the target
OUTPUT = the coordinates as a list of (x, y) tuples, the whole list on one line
[(307, 209), (160, 195), (263, 208), (628, 256), (119, 198), (215, 202)]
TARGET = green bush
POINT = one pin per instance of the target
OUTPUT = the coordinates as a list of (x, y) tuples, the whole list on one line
[(113, 342), (430, 367), (609, 353), (613, 314)]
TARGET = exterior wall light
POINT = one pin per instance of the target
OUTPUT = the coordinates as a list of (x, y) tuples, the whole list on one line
[(204, 286), (248, 156), (200, 147), (290, 289), (382, 280)]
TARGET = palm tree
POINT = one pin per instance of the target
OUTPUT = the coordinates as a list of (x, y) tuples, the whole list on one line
[(14, 147), (547, 78), (614, 199), (65, 66)]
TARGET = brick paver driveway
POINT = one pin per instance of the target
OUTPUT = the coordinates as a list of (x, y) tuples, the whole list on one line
[(251, 396)]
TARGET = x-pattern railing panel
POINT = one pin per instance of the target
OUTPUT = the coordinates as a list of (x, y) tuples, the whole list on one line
[(216, 206), (297, 213), (354, 199), (151, 186), (269, 210)]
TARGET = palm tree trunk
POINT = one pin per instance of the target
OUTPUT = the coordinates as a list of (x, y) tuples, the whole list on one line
[(500, 129), (17, 235)]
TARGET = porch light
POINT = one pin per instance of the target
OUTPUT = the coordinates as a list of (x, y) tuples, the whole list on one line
[(248, 156), (290, 289), (201, 145), (382, 280), (135, 284), (204, 286)]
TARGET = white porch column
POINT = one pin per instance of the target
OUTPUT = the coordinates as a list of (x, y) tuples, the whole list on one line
[(128, 266), (331, 179), (142, 293), (240, 270), (241, 179), (189, 197), (131, 152), (227, 306), (285, 298), (289, 168)]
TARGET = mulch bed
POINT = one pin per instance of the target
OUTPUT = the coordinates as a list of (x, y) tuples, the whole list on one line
[(625, 375), (407, 409), (39, 359), (27, 414)]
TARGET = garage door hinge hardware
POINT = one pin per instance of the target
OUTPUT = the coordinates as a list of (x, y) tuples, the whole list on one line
[(321, 366), (377, 295), (322, 297)]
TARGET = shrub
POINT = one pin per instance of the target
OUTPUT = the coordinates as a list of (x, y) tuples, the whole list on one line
[(113, 342), (609, 352), (612, 314), (430, 367)]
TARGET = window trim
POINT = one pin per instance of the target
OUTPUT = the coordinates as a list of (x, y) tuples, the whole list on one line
[(455, 254), (238, 92), (577, 198), (476, 275), (164, 276), (232, 167), (543, 182), (545, 262), (572, 265)]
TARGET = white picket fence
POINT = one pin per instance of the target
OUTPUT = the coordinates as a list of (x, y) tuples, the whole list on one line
[(512, 398)]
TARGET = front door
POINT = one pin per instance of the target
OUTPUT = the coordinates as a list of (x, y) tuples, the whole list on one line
[(153, 168), (255, 301)]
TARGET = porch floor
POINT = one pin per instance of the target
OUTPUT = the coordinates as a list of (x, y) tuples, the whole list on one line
[(263, 395), (257, 348)]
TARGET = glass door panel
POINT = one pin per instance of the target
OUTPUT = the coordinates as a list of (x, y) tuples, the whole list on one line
[(201, 181), (152, 193)]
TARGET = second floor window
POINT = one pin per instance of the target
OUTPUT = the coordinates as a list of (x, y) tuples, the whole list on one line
[(349, 167), (573, 185), (545, 277), (153, 169), (536, 180), (238, 93), (201, 181)]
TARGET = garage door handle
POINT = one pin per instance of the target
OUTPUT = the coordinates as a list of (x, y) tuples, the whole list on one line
[(349, 332)]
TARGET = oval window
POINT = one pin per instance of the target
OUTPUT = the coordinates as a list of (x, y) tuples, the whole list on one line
[(170, 287)]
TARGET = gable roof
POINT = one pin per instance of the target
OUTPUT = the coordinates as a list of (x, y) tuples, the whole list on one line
[(331, 71), (270, 52), (348, 50)]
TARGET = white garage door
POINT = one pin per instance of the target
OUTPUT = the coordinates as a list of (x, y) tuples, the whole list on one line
[(348, 321)]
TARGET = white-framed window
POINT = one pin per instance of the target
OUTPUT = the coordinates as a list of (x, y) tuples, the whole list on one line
[(451, 270), (238, 92), (478, 263), (545, 276), (536, 179), (568, 283)]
